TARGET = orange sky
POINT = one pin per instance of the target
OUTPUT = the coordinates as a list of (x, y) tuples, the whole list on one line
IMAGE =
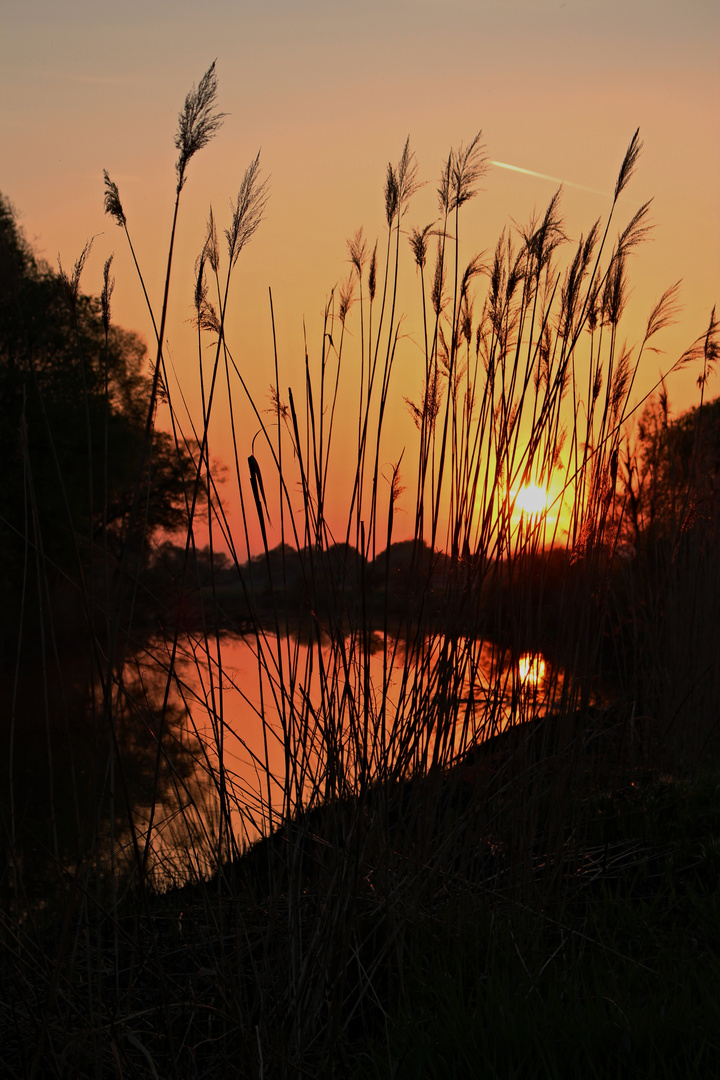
[(330, 91)]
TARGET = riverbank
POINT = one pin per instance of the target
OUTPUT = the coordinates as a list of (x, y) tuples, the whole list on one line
[(401, 935)]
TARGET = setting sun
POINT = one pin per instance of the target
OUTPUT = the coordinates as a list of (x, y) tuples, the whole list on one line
[(531, 669), (531, 499)]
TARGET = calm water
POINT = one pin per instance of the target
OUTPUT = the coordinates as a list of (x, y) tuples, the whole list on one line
[(255, 726), (291, 722)]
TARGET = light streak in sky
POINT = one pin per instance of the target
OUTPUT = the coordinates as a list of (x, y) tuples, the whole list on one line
[(554, 179)]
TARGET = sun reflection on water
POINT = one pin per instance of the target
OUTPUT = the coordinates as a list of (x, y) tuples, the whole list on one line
[(531, 668)]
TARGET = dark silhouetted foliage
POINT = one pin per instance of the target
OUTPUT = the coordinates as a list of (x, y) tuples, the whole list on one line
[(74, 395)]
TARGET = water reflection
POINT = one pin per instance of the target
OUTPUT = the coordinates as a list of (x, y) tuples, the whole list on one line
[(92, 769), (191, 755), (284, 723), (531, 669)]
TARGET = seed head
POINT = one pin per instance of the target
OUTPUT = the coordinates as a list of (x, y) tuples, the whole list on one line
[(357, 250), (346, 298), (629, 162), (108, 286), (248, 210), (372, 274), (419, 244), (113, 206), (198, 122)]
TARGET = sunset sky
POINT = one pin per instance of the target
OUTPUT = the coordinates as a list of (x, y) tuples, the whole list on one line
[(329, 91)]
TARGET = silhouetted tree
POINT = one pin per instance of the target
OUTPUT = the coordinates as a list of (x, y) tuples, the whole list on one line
[(74, 393), (672, 471)]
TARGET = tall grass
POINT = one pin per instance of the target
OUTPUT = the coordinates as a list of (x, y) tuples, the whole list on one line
[(410, 777)]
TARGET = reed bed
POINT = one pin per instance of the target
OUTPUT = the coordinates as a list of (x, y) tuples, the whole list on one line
[(435, 844)]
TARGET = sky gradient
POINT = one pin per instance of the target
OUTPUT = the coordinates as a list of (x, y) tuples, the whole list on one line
[(329, 91)]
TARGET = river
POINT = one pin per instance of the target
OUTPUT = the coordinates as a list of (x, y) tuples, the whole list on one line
[(279, 723)]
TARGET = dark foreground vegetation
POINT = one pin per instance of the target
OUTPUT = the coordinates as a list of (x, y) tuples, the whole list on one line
[(442, 859)]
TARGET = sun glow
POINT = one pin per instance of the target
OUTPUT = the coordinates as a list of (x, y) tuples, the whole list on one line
[(531, 669), (531, 499)]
